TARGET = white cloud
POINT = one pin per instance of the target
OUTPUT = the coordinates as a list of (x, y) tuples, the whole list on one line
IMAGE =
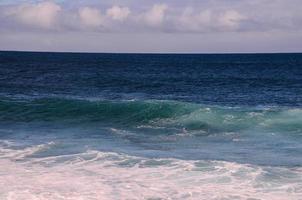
[(231, 19), (204, 17), (194, 17), (43, 14), (209, 20), (190, 21), (156, 15), (91, 17), (118, 13)]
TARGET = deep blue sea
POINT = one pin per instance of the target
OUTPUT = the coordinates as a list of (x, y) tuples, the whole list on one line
[(150, 126)]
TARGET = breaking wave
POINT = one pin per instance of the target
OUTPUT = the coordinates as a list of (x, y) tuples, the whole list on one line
[(154, 114)]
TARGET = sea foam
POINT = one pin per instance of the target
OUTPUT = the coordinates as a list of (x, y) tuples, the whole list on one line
[(109, 175)]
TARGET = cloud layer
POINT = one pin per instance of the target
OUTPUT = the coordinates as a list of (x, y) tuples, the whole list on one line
[(43, 15), (163, 17), (43, 24)]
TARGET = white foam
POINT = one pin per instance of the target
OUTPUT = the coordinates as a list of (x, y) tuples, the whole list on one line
[(22, 153), (101, 175)]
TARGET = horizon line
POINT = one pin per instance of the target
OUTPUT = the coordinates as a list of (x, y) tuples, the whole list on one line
[(159, 53)]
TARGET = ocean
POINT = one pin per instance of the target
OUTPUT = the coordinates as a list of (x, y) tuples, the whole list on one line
[(150, 126)]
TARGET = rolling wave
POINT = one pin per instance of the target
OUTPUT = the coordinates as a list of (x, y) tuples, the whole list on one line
[(153, 114)]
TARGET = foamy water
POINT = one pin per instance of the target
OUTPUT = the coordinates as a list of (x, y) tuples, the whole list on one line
[(107, 175)]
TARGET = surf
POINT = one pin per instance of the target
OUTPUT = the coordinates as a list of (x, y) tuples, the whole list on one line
[(153, 113)]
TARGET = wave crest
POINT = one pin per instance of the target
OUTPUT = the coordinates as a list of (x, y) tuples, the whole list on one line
[(153, 114)]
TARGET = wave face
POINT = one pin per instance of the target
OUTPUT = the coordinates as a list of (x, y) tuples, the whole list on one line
[(165, 114), (171, 128), (51, 109), (111, 126)]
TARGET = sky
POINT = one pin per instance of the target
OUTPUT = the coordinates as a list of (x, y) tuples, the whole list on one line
[(166, 26)]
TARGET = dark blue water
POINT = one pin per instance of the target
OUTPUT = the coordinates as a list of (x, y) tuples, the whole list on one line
[(247, 79), (235, 107)]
